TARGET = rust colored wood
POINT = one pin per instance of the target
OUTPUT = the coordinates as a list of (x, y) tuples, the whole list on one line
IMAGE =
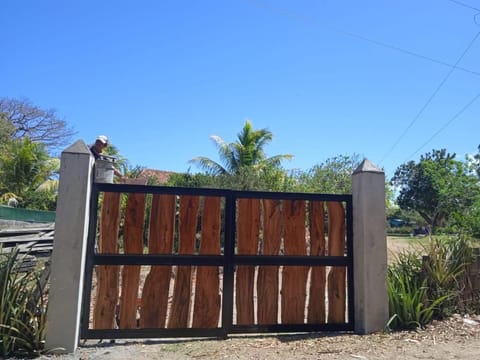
[(132, 244), (107, 276), (154, 302), (187, 228), (206, 310), (336, 276), (294, 278), (248, 232), (316, 305), (267, 282)]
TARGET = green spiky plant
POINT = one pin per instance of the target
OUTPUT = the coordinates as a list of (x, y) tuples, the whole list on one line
[(426, 287), (22, 308)]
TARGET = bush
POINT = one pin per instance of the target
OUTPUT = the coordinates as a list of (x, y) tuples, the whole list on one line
[(423, 288), (22, 308)]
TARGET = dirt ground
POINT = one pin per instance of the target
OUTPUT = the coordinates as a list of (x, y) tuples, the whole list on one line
[(455, 338)]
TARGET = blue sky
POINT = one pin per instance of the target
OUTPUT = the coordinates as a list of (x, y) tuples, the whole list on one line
[(374, 78)]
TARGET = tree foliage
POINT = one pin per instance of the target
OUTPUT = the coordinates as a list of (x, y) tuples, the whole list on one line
[(24, 166), (243, 164), (246, 152), (333, 176), (438, 187), (21, 118)]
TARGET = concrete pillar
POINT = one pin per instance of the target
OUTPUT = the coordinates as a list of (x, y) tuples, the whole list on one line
[(69, 248), (370, 249)]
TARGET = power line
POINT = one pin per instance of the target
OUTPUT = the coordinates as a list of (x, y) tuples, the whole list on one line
[(475, 98), (422, 109), (303, 18), (464, 5)]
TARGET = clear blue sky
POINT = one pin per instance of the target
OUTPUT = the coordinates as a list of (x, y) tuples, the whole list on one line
[(326, 77)]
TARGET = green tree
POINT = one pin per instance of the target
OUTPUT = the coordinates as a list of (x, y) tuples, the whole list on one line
[(246, 152), (24, 166), (243, 163), (438, 187), (477, 162), (333, 176)]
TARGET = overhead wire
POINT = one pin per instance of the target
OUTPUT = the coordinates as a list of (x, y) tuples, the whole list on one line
[(465, 107), (304, 18), (429, 100), (464, 5), (408, 52)]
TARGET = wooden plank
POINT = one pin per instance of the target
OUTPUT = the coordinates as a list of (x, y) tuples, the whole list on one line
[(154, 302), (187, 229), (107, 276), (267, 282), (248, 232), (25, 238), (336, 276), (133, 244), (207, 290), (294, 278), (318, 277)]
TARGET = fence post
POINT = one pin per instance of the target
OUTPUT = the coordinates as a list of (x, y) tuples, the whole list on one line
[(369, 248), (69, 247)]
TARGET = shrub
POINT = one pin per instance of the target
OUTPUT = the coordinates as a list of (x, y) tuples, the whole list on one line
[(22, 308), (409, 303), (423, 288)]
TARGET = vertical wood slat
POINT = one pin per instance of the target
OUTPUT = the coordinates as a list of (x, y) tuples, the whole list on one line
[(267, 282), (316, 306), (133, 244), (187, 229), (107, 276), (336, 276), (248, 231), (154, 300), (294, 278), (207, 290)]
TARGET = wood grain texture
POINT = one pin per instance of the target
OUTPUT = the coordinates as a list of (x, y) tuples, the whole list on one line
[(248, 232), (107, 276), (207, 290), (132, 244), (336, 276), (267, 282), (154, 302), (316, 303), (187, 228), (294, 278)]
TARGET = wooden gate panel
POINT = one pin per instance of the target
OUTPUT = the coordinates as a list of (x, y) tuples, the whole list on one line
[(316, 306), (294, 278), (248, 231), (133, 244), (336, 276), (187, 229), (153, 310), (107, 276), (207, 286), (267, 282)]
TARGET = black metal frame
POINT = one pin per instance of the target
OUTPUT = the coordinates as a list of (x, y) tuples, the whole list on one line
[(228, 261)]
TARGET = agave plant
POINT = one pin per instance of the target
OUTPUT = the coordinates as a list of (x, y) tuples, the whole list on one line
[(22, 308)]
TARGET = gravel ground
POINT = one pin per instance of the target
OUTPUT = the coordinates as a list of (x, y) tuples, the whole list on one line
[(455, 338)]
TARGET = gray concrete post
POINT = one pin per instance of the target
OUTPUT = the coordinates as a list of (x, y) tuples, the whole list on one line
[(369, 248), (69, 248)]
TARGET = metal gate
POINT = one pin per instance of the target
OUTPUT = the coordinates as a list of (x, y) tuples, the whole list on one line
[(185, 262)]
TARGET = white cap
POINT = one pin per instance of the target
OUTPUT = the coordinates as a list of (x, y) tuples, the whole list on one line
[(103, 139)]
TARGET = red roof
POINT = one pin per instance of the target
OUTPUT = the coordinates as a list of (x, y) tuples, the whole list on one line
[(161, 175)]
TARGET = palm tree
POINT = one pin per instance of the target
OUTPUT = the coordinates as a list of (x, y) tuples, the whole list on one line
[(246, 152)]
